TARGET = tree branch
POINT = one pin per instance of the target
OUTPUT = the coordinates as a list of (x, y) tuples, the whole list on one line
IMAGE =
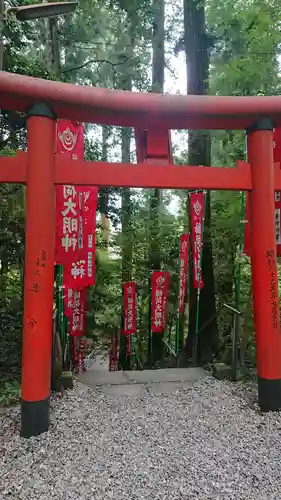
[(96, 61)]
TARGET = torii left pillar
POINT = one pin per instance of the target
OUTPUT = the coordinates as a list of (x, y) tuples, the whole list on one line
[(39, 272)]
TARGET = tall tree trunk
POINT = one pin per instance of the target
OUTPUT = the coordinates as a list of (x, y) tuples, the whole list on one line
[(126, 84), (126, 242), (158, 67), (54, 45), (199, 153)]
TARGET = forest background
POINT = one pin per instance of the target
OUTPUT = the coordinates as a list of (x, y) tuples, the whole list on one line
[(215, 47)]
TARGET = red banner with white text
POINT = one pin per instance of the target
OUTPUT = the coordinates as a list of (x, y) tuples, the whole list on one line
[(75, 300), (67, 224), (197, 204), (130, 308), (79, 271), (184, 250), (70, 139), (75, 215), (159, 300), (75, 230), (277, 215)]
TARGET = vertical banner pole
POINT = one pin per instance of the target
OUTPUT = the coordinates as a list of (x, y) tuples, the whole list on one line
[(264, 265), (60, 308), (150, 321), (241, 237), (178, 308), (177, 333), (39, 272), (183, 264), (199, 283)]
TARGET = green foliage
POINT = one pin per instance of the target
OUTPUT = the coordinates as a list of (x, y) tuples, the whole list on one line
[(9, 393), (10, 329), (245, 59), (108, 44)]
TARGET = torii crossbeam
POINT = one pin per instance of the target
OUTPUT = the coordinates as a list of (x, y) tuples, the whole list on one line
[(40, 169)]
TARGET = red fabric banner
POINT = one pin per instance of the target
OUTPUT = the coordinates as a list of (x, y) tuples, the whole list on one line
[(70, 139), (276, 158), (197, 202), (75, 215), (79, 271), (184, 248), (89, 210), (130, 308), (75, 230), (76, 302), (67, 224), (159, 300)]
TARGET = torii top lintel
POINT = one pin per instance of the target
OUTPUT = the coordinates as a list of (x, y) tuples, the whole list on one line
[(136, 109)]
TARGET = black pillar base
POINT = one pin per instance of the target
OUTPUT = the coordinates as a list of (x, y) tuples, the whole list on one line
[(35, 417), (269, 394)]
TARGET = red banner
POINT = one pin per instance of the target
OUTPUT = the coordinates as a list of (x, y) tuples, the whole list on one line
[(79, 270), (75, 230), (75, 215), (276, 158), (197, 202), (76, 302), (67, 224), (159, 300), (130, 308), (70, 139), (184, 248)]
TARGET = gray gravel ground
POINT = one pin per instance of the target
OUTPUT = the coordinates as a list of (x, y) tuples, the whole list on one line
[(208, 442)]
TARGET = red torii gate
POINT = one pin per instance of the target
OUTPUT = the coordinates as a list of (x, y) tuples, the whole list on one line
[(40, 169)]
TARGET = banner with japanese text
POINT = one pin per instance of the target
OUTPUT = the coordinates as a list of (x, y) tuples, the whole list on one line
[(159, 300), (75, 303), (277, 215), (79, 270), (130, 308), (70, 141), (197, 204), (75, 215), (184, 250), (67, 224)]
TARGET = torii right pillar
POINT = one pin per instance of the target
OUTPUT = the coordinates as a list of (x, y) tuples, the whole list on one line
[(264, 265)]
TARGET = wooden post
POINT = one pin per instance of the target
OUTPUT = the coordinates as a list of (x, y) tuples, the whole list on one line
[(39, 272)]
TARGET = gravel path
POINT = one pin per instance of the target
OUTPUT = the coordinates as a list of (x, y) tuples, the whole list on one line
[(208, 442)]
